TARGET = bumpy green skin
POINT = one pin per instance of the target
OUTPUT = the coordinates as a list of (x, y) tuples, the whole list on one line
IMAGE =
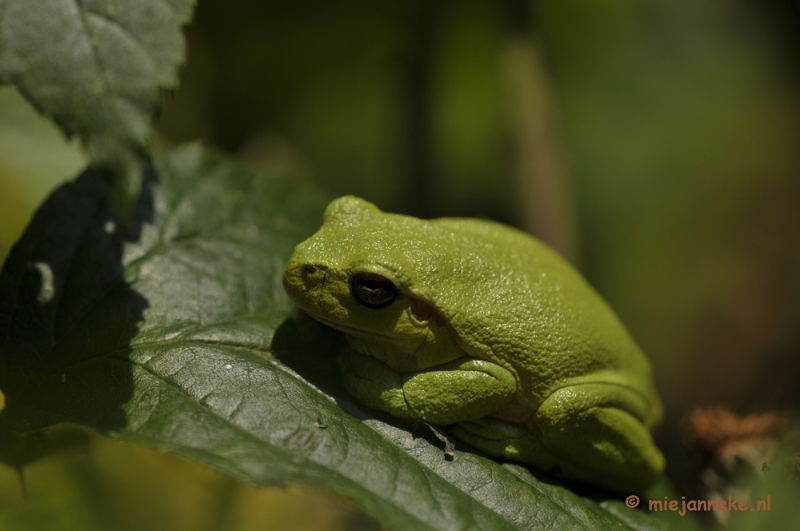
[(491, 331)]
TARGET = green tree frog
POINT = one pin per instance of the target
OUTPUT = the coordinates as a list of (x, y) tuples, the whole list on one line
[(475, 324)]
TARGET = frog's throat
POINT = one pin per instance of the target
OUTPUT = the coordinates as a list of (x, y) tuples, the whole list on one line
[(380, 346)]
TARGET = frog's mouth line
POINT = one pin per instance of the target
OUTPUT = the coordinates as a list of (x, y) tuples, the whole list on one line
[(348, 329), (390, 353), (363, 333)]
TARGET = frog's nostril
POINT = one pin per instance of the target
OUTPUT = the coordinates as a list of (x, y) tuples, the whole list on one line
[(310, 268)]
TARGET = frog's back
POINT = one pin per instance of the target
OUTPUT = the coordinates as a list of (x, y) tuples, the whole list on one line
[(515, 301)]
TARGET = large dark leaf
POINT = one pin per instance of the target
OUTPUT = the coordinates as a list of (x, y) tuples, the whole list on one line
[(97, 67), (181, 338)]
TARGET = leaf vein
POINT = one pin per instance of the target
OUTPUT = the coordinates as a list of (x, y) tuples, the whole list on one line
[(100, 70)]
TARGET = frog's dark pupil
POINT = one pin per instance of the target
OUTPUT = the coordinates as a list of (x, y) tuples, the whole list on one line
[(372, 284), (373, 291)]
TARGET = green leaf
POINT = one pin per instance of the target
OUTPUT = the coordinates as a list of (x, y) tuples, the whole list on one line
[(181, 338), (96, 67)]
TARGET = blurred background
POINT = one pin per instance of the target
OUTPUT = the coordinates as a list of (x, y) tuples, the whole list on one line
[(654, 143)]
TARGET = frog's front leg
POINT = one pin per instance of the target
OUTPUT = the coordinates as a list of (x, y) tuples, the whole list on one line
[(464, 389)]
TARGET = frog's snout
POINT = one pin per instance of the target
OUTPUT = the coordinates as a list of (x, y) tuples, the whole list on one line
[(312, 275), (303, 278), (311, 286)]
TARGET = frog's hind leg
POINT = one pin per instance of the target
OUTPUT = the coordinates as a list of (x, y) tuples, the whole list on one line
[(600, 432), (587, 433), (505, 439)]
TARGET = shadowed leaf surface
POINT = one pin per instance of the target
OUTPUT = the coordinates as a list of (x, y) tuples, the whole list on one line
[(179, 336)]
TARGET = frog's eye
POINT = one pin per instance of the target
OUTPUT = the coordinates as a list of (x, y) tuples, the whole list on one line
[(373, 291)]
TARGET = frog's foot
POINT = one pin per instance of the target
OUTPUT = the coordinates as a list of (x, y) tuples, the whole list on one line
[(506, 439)]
